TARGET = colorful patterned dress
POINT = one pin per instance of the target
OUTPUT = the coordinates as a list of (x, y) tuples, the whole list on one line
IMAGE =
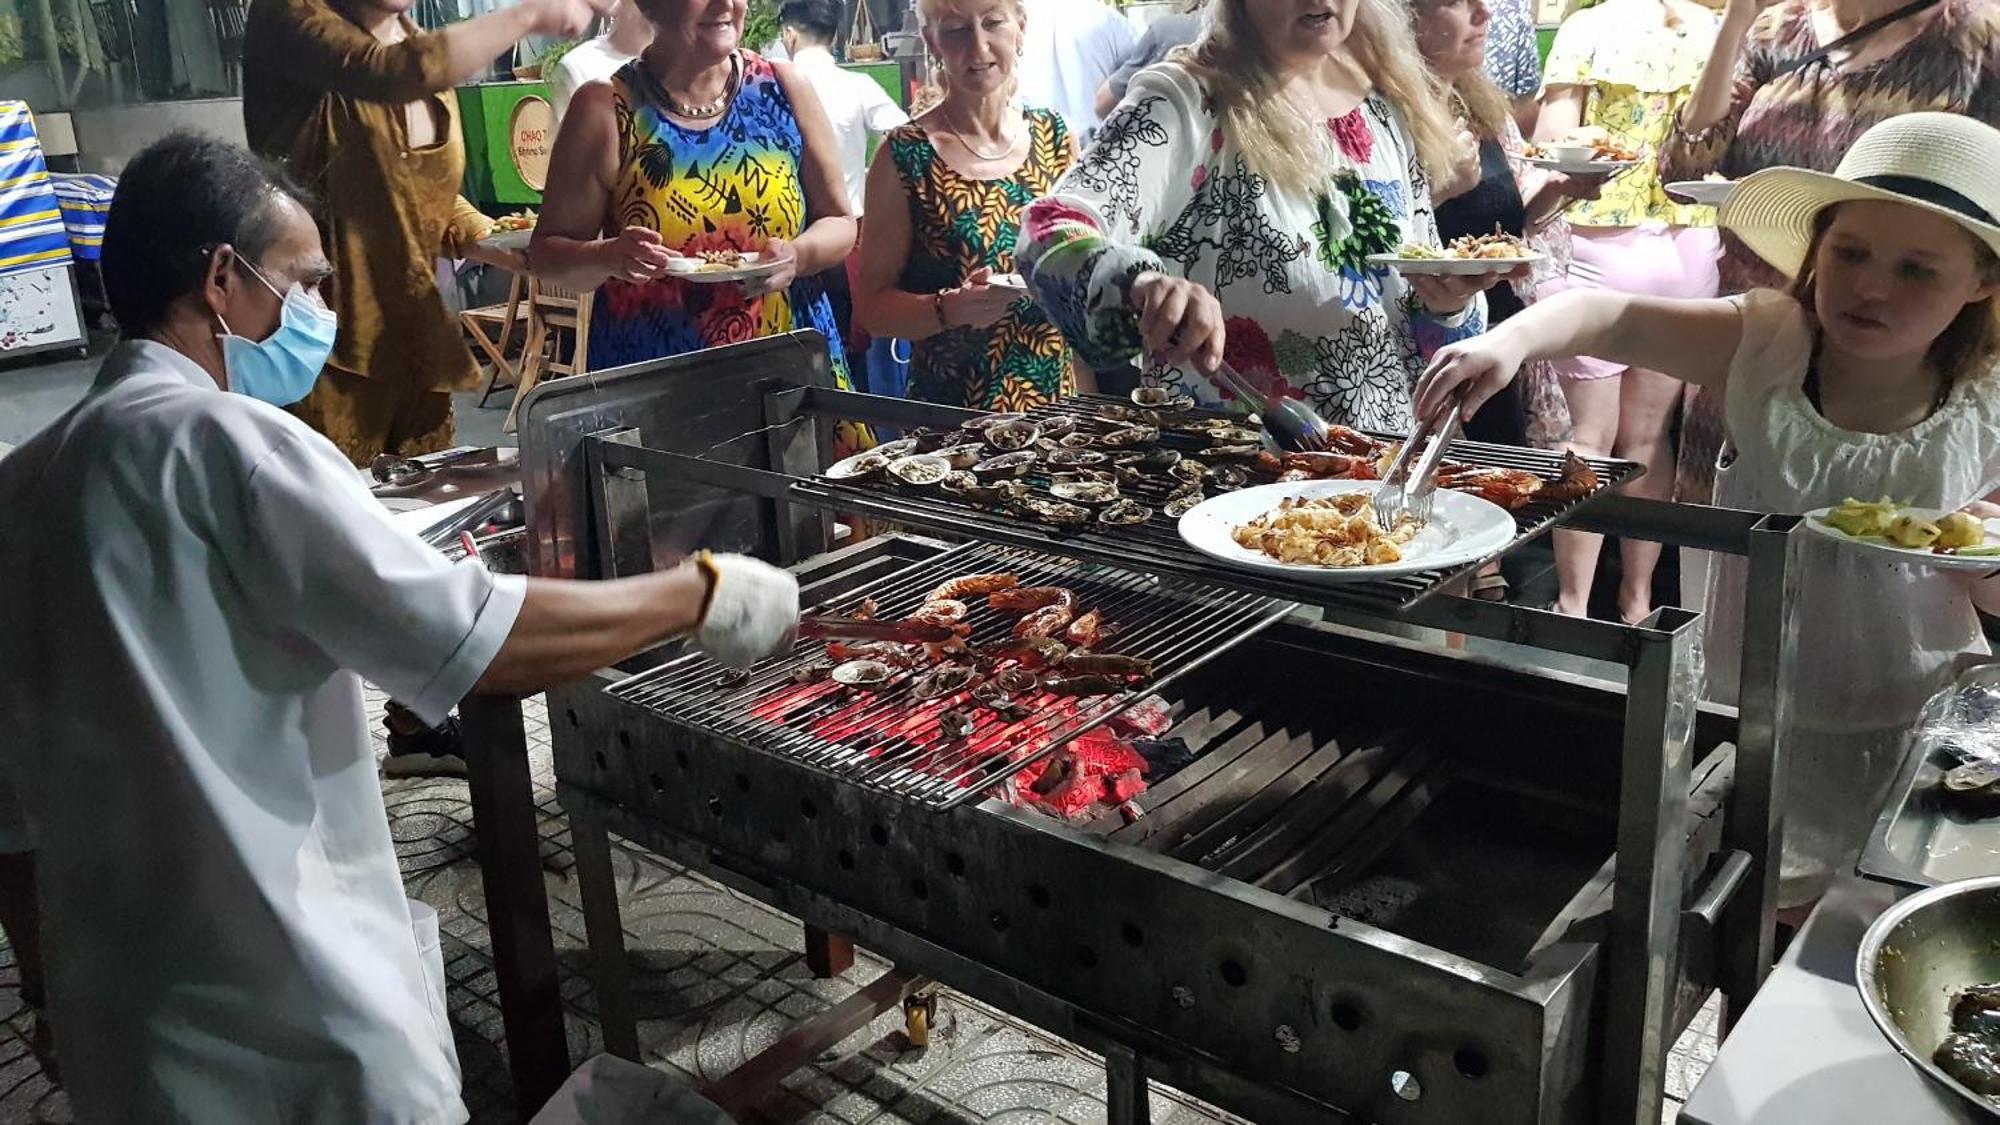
[(1782, 114), (732, 186), (1163, 189), (958, 225), (1638, 72)]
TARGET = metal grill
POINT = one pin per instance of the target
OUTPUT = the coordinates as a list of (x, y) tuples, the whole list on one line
[(1156, 546), (886, 739)]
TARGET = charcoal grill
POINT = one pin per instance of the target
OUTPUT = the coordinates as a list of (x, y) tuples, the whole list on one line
[(1395, 883), (886, 739)]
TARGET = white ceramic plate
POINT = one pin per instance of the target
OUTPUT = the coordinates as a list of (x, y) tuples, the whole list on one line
[(1582, 167), (1453, 267), (1462, 529), (1709, 193), (689, 269), (1920, 556)]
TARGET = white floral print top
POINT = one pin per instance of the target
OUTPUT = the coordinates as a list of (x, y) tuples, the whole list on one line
[(1163, 189)]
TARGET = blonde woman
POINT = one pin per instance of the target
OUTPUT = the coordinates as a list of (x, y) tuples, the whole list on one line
[(944, 203), (1233, 198)]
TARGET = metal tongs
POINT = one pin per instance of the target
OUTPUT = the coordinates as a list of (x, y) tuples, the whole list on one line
[(1289, 421), (1411, 482)]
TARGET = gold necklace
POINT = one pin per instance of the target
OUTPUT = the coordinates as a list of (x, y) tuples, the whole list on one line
[(705, 110), (958, 135)]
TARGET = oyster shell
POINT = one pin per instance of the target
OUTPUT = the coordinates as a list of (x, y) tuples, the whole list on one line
[(1077, 440), (1228, 476), (1160, 398), (1124, 513), (1183, 501), (861, 673), (1188, 471), (1017, 681), (861, 466), (953, 723), (1018, 433), (1061, 513), (962, 456), (1129, 436), (732, 678), (1004, 465), (1233, 452), (1078, 489), (1076, 458), (940, 682), (1058, 426), (920, 469), (986, 422)]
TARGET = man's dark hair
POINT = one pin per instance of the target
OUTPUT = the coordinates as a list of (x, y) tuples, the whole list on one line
[(817, 21), (176, 201)]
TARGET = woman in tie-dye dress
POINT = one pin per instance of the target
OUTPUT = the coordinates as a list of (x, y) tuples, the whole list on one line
[(695, 146)]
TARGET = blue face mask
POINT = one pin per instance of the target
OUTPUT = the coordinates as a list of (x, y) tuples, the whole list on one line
[(282, 368)]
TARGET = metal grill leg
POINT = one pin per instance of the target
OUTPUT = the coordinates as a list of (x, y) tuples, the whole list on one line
[(1125, 1099), (827, 954), (610, 972), (1652, 853)]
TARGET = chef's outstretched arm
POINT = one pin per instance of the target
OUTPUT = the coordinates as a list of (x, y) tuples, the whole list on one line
[(737, 608)]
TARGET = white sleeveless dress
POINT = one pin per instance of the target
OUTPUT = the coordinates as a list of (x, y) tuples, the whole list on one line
[(1876, 637)]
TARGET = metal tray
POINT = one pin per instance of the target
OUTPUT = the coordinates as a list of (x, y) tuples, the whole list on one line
[(1918, 842)]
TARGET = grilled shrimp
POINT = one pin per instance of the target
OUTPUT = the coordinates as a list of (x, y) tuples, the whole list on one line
[(1024, 598), (972, 585)]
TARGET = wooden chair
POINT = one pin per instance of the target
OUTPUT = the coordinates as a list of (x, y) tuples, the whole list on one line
[(552, 310), (492, 330)]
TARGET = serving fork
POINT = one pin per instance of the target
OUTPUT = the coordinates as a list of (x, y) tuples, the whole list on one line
[(1411, 482)]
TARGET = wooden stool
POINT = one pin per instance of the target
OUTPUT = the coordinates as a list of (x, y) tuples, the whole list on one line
[(492, 330), (552, 309)]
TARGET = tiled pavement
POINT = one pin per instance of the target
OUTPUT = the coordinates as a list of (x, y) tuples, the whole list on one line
[(719, 977)]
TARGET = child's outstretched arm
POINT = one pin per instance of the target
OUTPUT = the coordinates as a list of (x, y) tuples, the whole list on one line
[(1693, 341)]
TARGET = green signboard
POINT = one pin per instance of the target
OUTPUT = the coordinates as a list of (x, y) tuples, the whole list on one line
[(508, 128)]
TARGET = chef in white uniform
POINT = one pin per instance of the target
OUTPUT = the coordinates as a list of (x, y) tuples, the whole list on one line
[(196, 584)]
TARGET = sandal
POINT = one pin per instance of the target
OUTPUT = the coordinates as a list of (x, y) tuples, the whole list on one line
[(1489, 586)]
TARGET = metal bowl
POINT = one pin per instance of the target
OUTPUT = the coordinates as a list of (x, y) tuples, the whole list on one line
[(1915, 960)]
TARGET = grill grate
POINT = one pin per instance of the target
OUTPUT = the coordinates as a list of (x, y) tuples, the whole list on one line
[(1156, 546), (886, 739)]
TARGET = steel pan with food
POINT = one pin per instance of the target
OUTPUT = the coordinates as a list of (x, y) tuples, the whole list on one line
[(1929, 974)]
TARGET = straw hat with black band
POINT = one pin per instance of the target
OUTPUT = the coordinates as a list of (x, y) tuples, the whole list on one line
[(1945, 163)]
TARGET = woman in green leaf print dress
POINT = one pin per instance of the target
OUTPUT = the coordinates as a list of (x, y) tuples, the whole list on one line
[(944, 206)]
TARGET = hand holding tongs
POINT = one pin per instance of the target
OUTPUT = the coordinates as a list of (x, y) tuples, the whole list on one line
[(1411, 481), (1290, 421)]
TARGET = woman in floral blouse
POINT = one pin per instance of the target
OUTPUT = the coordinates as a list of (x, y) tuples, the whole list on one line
[(1232, 200), (1625, 67)]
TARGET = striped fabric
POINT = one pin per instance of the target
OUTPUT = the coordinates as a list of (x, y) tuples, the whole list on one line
[(85, 200), (32, 234)]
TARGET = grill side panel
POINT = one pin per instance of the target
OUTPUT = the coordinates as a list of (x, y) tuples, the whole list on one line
[(1170, 958)]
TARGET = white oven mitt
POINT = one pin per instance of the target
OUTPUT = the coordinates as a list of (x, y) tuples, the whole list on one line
[(752, 609)]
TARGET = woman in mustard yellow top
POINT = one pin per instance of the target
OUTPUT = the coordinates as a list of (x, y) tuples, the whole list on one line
[(1624, 68)]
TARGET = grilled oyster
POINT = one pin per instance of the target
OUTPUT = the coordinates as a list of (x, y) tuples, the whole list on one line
[(1160, 398), (1233, 452), (920, 469), (1004, 465), (953, 723), (732, 678), (1129, 436), (859, 467), (930, 441), (1076, 458), (1229, 433), (984, 422), (940, 682), (1017, 681), (1228, 476), (1079, 489), (1183, 501), (1124, 513), (1187, 470), (861, 673), (812, 672), (1153, 463), (962, 456), (1077, 440), (1064, 515), (1058, 426), (1009, 436)]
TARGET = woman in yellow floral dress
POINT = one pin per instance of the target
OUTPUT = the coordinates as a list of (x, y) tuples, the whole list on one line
[(944, 206), (1626, 67)]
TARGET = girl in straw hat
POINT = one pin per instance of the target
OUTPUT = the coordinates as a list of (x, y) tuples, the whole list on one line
[(1875, 375)]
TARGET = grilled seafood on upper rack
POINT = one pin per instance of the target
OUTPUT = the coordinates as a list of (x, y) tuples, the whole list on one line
[(973, 585), (1021, 599), (1331, 531), (1509, 488)]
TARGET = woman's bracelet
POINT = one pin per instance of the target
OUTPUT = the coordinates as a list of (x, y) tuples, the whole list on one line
[(937, 305)]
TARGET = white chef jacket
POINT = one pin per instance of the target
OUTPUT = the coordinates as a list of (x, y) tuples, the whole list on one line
[(1070, 48), (194, 579), (858, 106)]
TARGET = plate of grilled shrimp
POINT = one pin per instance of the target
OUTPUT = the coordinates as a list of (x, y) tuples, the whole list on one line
[(715, 266), (1326, 530), (1498, 252)]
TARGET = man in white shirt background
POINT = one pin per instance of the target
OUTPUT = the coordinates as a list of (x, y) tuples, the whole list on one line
[(1072, 46), (857, 105), (596, 60)]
